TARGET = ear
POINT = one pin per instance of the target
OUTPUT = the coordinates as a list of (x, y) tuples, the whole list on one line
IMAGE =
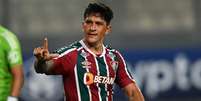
[(109, 29)]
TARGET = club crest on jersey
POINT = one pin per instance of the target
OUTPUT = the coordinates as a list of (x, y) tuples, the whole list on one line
[(84, 54), (114, 65), (111, 55), (86, 64)]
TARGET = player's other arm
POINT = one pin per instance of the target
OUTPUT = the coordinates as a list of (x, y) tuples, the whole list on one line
[(125, 80), (133, 92), (14, 58), (43, 62), (18, 79)]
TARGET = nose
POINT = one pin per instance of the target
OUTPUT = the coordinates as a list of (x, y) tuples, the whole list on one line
[(93, 27)]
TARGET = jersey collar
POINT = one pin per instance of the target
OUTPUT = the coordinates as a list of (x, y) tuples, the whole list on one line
[(86, 48)]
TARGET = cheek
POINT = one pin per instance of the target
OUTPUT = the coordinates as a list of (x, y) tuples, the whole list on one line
[(84, 28), (103, 32)]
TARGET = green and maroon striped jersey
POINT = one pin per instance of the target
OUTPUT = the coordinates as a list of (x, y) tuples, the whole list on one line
[(90, 77)]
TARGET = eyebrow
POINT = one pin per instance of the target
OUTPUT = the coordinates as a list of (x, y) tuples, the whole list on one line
[(89, 20)]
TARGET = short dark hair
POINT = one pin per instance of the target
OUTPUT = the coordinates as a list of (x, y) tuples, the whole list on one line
[(97, 7)]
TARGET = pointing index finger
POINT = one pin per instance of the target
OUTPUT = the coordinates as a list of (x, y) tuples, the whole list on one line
[(45, 43)]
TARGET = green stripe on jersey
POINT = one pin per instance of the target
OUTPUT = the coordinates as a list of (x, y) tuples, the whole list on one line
[(80, 72), (103, 72)]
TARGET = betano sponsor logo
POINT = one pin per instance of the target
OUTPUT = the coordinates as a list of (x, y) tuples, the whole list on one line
[(89, 79)]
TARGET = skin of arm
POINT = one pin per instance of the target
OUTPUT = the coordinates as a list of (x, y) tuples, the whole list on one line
[(18, 80), (133, 92), (43, 66)]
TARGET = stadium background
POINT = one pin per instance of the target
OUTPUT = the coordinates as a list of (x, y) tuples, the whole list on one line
[(160, 39)]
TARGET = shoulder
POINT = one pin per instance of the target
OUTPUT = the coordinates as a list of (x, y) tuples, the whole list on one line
[(11, 45), (112, 50), (8, 38), (66, 49)]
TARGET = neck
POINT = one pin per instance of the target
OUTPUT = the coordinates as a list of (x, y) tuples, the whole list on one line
[(96, 48)]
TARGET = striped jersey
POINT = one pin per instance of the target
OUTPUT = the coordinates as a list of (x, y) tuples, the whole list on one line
[(90, 77)]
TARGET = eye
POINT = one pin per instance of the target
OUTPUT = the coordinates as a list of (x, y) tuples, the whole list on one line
[(99, 23), (88, 22)]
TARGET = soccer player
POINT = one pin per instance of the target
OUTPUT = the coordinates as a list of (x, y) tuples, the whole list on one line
[(11, 72), (89, 68)]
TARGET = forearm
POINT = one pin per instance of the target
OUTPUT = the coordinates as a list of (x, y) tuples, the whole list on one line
[(17, 85), (42, 66), (39, 66), (136, 95), (18, 80), (133, 92)]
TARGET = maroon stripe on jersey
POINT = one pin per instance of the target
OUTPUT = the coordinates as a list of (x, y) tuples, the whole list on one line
[(69, 78), (70, 88), (124, 78), (67, 61), (93, 69)]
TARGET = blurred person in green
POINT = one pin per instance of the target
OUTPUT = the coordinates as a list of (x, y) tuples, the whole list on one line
[(11, 66)]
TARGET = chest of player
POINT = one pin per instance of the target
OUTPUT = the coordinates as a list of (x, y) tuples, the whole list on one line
[(95, 69)]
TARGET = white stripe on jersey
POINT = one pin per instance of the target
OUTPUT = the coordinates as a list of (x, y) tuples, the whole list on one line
[(77, 83), (10, 38), (85, 47), (66, 52), (79, 48)]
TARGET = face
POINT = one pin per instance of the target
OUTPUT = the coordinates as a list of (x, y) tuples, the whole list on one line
[(95, 29)]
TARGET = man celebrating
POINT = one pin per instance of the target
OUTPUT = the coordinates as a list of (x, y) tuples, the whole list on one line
[(89, 68)]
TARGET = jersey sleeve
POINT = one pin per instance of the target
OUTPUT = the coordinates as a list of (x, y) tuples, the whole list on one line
[(123, 76), (13, 49), (64, 62)]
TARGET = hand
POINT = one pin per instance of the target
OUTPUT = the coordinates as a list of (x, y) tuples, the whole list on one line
[(42, 53)]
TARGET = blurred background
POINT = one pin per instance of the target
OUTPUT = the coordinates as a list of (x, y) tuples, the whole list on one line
[(160, 39)]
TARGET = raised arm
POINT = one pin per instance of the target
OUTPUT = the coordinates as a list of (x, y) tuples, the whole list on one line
[(133, 92), (43, 61)]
